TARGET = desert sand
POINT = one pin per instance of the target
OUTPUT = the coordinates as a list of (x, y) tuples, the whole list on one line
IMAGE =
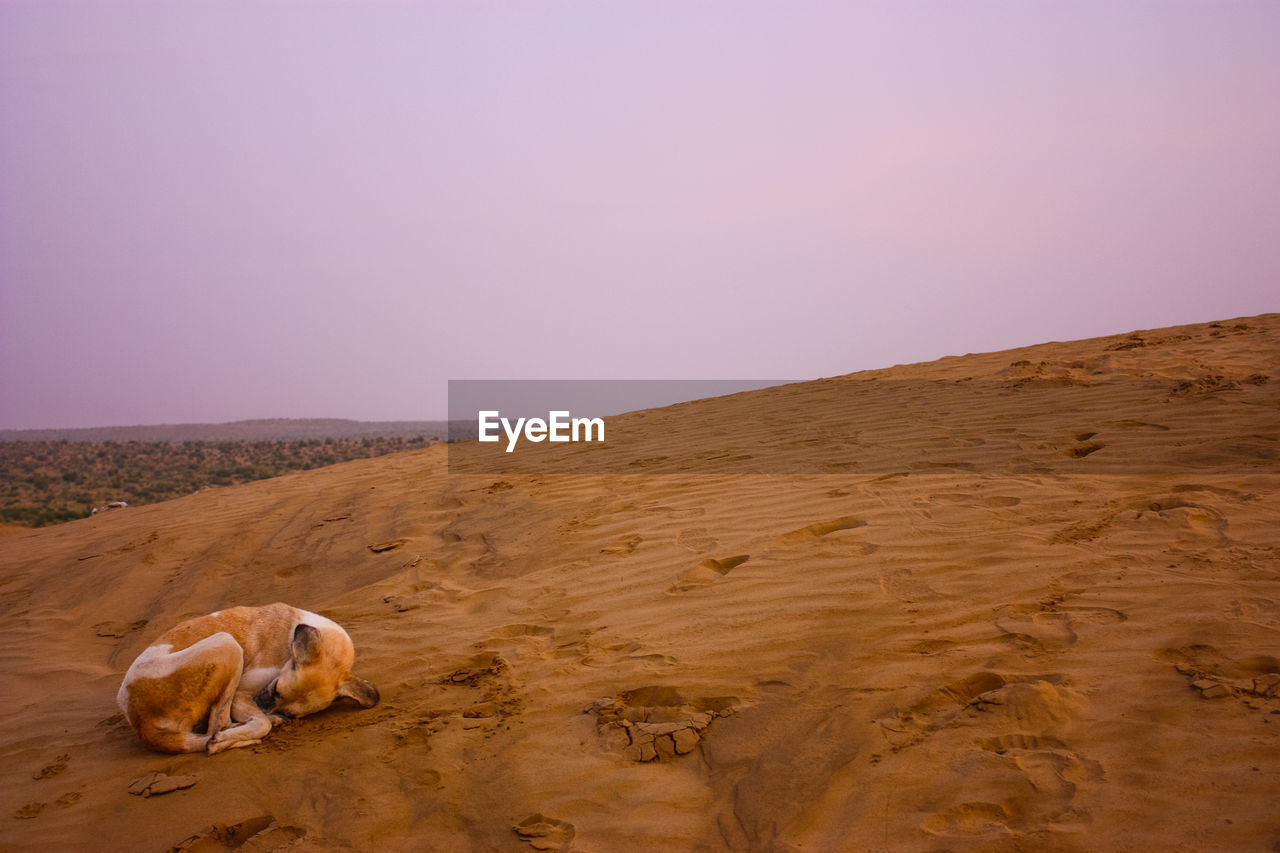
[(1026, 600)]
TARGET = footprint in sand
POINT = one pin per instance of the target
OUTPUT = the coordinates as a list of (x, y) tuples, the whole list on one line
[(521, 640), (1214, 675), (948, 498), (707, 572), (680, 514), (500, 697), (622, 546), (117, 630), (902, 585), (1023, 704), (968, 820), (819, 529), (259, 833), (1022, 776), (154, 784), (1085, 531), (520, 631), (1035, 629), (696, 539), (1170, 517), (480, 667), (647, 461), (597, 653), (545, 833), (657, 723), (1029, 790), (1084, 449), (414, 596), (1132, 424)]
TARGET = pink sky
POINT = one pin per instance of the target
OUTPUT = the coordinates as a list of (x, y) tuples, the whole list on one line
[(212, 211)]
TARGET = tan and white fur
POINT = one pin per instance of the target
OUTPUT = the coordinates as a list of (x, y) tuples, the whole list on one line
[(223, 680)]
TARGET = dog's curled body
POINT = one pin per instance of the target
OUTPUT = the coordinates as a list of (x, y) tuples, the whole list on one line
[(222, 680)]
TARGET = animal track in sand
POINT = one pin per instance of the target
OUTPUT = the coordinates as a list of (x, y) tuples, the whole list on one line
[(819, 529), (657, 723), (58, 765), (29, 811), (707, 572)]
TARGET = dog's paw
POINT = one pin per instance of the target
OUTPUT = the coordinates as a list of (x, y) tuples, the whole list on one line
[(232, 738), (215, 748)]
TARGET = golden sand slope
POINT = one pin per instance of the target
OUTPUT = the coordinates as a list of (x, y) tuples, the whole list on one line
[(1017, 601)]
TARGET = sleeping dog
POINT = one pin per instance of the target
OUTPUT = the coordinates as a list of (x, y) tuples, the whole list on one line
[(221, 681)]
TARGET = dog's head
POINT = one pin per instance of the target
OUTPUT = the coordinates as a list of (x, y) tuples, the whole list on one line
[(318, 673)]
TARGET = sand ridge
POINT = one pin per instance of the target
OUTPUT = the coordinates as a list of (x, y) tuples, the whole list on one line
[(1019, 600)]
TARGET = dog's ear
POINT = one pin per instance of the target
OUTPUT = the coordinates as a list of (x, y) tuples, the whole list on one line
[(306, 644), (360, 690)]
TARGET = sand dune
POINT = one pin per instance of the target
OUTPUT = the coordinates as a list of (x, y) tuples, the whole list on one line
[(1026, 600)]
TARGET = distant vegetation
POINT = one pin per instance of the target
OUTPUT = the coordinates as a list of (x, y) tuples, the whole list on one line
[(51, 481), (269, 429)]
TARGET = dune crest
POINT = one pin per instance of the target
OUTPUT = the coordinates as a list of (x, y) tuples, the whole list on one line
[(1007, 601)]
